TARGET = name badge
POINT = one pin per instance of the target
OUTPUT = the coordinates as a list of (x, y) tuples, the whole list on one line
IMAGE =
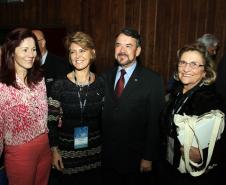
[(80, 137)]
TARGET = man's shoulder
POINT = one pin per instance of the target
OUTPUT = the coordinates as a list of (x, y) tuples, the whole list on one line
[(147, 72)]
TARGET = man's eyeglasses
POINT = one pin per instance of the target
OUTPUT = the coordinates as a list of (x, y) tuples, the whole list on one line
[(192, 65)]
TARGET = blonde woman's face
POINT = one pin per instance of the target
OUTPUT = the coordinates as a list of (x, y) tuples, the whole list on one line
[(191, 69), (80, 58)]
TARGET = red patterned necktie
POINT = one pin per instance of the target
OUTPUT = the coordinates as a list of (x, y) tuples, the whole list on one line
[(120, 84)]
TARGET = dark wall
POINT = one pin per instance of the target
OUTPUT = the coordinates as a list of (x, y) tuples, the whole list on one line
[(165, 25)]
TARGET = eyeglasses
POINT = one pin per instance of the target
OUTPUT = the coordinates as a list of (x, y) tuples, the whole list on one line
[(192, 65)]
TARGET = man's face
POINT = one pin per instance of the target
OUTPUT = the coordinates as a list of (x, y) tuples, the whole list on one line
[(126, 50), (41, 41), (212, 50)]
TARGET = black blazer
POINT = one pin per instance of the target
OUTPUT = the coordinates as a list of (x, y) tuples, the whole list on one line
[(130, 123), (54, 68), (221, 80)]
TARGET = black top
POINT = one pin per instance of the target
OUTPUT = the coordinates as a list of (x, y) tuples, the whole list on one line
[(65, 92), (199, 100), (221, 79)]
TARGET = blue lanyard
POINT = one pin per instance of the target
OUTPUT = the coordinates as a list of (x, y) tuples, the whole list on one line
[(82, 105)]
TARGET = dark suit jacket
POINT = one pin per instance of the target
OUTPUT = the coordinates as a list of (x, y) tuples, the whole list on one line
[(54, 68), (130, 123), (221, 79)]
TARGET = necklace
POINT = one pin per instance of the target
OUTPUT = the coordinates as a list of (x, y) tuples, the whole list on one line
[(82, 84)]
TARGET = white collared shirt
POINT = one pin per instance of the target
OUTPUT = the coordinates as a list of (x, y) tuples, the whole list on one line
[(129, 70), (44, 58)]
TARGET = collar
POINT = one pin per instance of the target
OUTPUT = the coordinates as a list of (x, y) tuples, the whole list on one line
[(129, 70), (44, 58)]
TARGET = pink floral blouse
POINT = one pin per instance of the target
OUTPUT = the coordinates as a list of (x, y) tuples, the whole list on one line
[(23, 113)]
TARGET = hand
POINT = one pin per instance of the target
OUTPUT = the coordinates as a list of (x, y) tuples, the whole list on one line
[(57, 159), (145, 166), (194, 154)]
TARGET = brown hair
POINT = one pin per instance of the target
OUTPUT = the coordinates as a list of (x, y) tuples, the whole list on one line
[(7, 70)]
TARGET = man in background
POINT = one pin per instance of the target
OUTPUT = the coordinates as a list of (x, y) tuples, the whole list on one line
[(54, 66), (221, 79), (211, 43)]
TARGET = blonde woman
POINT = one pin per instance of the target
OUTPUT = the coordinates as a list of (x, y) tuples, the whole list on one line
[(75, 112)]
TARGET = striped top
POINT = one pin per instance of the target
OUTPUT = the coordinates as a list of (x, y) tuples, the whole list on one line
[(64, 101)]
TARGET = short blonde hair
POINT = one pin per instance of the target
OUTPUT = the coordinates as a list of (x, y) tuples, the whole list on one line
[(83, 40), (209, 64)]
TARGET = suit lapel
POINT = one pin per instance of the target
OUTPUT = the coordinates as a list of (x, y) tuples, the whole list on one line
[(131, 85), (133, 82), (112, 82)]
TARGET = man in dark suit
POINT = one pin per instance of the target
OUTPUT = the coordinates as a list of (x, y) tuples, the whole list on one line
[(54, 66), (130, 118), (221, 78)]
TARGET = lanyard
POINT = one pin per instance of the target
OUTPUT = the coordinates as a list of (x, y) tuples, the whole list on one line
[(176, 110), (82, 104), (179, 103)]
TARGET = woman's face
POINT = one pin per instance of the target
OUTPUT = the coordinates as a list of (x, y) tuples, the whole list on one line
[(25, 55), (80, 58), (191, 69)]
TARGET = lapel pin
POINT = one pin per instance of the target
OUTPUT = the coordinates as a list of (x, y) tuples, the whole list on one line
[(136, 80)]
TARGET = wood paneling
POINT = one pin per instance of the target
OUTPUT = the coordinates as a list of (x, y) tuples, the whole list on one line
[(165, 25)]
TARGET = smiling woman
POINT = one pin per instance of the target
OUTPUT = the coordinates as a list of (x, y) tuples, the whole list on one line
[(191, 73), (24, 58), (194, 66), (23, 113), (75, 106), (195, 95)]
